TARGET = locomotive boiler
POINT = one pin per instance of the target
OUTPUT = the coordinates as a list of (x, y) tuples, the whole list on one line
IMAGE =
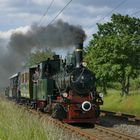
[(75, 76)]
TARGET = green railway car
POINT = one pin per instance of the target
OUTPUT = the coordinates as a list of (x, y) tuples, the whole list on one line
[(24, 84), (36, 83), (13, 86)]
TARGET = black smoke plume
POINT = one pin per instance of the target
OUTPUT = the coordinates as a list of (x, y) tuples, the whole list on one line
[(57, 35)]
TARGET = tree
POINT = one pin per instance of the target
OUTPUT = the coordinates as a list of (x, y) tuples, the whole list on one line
[(39, 55), (114, 52)]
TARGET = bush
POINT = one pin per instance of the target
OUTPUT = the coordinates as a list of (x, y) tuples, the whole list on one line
[(135, 84)]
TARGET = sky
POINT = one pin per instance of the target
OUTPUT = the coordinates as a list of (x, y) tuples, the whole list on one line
[(18, 16)]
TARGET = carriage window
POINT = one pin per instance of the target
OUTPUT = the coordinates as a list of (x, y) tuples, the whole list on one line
[(22, 78), (15, 81), (26, 77)]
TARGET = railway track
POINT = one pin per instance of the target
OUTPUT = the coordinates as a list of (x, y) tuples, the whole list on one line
[(130, 118), (96, 133), (108, 134), (66, 127)]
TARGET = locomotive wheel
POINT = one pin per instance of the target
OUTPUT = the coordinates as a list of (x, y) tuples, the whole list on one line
[(58, 112)]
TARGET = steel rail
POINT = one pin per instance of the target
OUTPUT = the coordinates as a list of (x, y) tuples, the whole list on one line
[(114, 134), (129, 117)]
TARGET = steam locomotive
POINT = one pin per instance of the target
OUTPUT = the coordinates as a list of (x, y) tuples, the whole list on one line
[(64, 88)]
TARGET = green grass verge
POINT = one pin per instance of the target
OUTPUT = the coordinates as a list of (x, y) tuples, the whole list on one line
[(128, 104), (18, 124)]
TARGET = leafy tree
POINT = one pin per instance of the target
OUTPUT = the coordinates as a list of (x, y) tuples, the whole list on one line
[(114, 52), (39, 55)]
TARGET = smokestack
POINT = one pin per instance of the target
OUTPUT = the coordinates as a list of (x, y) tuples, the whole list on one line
[(79, 54)]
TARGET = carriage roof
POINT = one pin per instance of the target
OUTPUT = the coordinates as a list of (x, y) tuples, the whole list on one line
[(13, 76)]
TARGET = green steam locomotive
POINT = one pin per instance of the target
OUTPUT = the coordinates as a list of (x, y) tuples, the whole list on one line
[(64, 88)]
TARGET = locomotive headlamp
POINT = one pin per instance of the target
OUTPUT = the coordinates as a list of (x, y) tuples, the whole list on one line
[(84, 64), (101, 95), (86, 106), (65, 95)]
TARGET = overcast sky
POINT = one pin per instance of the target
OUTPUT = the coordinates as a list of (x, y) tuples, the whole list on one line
[(18, 15)]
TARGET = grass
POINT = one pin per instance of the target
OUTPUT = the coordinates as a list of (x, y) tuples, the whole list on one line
[(128, 104), (16, 124)]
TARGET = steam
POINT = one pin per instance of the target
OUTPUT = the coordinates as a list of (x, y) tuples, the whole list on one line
[(58, 35)]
